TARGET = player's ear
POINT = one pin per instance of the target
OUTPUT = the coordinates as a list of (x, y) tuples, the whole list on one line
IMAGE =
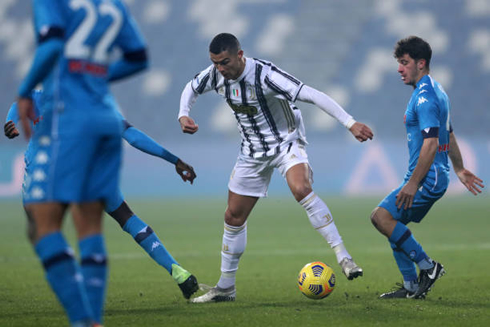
[(421, 64), (240, 54)]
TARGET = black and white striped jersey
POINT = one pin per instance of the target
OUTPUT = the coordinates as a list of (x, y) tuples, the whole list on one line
[(262, 100)]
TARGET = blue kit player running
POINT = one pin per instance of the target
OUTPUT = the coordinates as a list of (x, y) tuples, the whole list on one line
[(430, 141), (78, 156), (116, 207)]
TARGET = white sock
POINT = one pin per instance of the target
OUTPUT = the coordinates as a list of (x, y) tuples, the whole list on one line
[(234, 243), (321, 219)]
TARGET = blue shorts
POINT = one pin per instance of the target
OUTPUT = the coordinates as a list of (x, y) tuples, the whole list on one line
[(422, 202), (76, 166)]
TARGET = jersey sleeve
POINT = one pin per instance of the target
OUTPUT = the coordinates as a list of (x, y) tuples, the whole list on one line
[(49, 20), (284, 85), (205, 81), (13, 114), (427, 112)]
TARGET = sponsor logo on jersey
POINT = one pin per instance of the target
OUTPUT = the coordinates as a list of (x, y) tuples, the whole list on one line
[(241, 109), (85, 67), (421, 100)]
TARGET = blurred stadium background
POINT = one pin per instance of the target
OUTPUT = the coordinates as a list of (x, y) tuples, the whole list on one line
[(342, 47)]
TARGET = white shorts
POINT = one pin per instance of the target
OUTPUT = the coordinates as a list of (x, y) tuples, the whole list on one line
[(251, 176)]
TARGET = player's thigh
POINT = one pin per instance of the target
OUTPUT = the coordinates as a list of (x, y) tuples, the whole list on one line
[(102, 181), (239, 208), (251, 177), (72, 160), (298, 179), (87, 218), (47, 217), (293, 165)]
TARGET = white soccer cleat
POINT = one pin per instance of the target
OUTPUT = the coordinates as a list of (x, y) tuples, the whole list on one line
[(350, 269), (216, 294)]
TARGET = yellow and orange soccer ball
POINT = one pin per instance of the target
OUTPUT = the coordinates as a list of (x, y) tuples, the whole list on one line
[(316, 280)]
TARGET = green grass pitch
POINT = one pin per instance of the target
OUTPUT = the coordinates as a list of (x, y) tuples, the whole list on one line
[(280, 242)]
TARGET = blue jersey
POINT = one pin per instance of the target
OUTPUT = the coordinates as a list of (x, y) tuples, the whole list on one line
[(429, 108), (78, 86)]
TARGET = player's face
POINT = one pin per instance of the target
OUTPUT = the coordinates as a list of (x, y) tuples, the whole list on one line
[(230, 65), (411, 71)]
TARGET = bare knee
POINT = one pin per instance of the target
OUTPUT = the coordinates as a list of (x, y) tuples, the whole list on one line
[(234, 218), (301, 192), (383, 221), (31, 229), (87, 218), (374, 217)]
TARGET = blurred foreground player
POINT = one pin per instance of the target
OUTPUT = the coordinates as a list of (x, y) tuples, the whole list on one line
[(262, 98), (116, 207), (79, 153), (430, 140)]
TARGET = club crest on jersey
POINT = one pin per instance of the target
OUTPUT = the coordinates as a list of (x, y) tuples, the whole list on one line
[(250, 93)]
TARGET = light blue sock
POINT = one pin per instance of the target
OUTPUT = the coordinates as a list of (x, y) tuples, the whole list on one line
[(63, 274), (94, 269), (149, 241), (406, 267)]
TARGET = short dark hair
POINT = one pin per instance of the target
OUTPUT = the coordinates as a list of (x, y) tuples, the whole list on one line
[(224, 42), (416, 47)]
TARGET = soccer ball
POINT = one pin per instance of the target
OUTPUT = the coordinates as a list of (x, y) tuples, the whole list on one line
[(316, 280)]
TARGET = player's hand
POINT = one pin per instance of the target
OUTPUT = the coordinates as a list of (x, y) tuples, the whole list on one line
[(471, 181), (25, 108), (10, 130), (361, 132), (405, 197), (188, 125), (185, 171)]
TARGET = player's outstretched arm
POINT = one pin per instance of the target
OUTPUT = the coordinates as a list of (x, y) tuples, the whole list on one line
[(361, 131), (473, 183), (185, 171)]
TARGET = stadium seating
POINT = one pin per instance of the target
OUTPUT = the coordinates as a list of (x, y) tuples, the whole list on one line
[(341, 47)]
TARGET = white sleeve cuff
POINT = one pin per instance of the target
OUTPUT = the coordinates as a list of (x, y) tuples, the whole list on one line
[(350, 122)]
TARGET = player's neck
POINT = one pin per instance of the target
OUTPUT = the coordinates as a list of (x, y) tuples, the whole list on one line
[(419, 78), (242, 68)]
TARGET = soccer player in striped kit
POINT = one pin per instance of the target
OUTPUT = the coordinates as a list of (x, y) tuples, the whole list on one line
[(262, 98)]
